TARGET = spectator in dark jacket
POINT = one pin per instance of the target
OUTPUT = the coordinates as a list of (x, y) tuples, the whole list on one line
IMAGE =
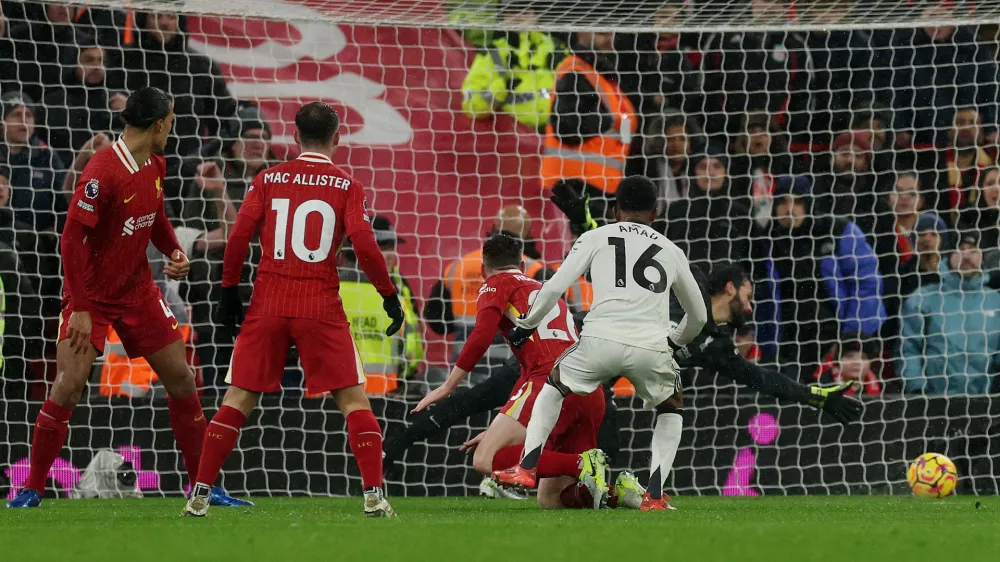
[(36, 201), (960, 164), (671, 140), (36, 171), (202, 102), (906, 238), (709, 225), (22, 336), (41, 49), (8, 65), (751, 71), (819, 286), (836, 77), (760, 156), (934, 71), (82, 106), (983, 216), (248, 154), (847, 189)]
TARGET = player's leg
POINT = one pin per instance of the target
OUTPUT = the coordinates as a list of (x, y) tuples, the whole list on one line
[(255, 367), (332, 364), (666, 440), (654, 376), (483, 397), (149, 330), (505, 431), (581, 370), (52, 422), (575, 436), (364, 435), (223, 433)]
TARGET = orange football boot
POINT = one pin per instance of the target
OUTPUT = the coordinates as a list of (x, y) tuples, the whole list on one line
[(516, 476), (662, 504)]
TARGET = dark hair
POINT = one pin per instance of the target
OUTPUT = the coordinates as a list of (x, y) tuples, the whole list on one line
[(636, 193), (316, 122), (502, 250), (724, 273), (146, 106)]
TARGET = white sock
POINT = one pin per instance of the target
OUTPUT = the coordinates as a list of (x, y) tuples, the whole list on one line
[(666, 439), (544, 416)]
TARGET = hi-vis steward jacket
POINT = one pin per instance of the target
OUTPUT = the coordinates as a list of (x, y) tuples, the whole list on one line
[(386, 359), (515, 75), (599, 158)]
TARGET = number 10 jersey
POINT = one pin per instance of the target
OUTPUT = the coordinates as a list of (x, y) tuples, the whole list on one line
[(303, 208)]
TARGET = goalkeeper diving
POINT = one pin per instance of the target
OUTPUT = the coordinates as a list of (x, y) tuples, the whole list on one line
[(726, 294)]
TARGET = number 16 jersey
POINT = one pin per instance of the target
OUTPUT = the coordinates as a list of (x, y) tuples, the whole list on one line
[(632, 268), (304, 208)]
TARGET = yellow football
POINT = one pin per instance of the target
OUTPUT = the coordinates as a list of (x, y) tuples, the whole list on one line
[(932, 475)]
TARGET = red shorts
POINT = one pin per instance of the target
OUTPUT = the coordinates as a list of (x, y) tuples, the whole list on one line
[(144, 328), (578, 424), (327, 351)]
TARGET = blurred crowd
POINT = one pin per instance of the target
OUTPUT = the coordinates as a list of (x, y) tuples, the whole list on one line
[(853, 173)]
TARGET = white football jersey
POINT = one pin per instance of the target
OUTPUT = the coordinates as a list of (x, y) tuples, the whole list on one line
[(632, 268)]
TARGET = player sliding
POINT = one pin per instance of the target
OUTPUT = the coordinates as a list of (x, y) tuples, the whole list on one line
[(116, 210), (304, 209), (570, 468), (633, 269)]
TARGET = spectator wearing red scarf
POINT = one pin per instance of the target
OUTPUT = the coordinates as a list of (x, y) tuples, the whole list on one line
[(907, 240)]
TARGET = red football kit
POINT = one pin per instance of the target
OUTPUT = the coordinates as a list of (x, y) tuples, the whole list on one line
[(503, 297), (303, 208), (116, 210)]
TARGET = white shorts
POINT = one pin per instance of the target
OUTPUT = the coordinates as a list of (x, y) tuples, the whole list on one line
[(593, 361)]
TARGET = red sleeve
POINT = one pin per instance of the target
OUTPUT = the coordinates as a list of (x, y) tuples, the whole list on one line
[(487, 324), (92, 196), (371, 261), (356, 212), (249, 218), (75, 256), (162, 234)]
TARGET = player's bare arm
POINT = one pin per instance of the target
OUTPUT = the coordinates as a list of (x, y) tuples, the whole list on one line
[(487, 323)]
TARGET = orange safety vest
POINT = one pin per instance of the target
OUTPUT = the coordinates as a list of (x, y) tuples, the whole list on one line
[(464, 277), (580, 294), (121, 376), (600, 160)]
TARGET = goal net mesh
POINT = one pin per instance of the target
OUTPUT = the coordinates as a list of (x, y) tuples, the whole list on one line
[(843, 152)]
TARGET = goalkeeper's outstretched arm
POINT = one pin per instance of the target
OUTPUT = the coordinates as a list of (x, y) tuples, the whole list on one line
[(829, 398)]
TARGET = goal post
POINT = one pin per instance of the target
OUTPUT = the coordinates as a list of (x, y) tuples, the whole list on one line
[(881, 115)]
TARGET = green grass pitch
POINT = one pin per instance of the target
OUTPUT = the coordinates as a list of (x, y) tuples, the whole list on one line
[(778, 529)]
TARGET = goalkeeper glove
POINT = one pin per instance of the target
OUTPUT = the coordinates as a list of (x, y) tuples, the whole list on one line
[(832, 399), (680, 352), (394, 309), (519, 336), (231, 308), (566, 196)]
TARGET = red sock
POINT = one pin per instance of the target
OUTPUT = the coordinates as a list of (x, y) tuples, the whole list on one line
[(223, 433), (51, 427), (507, 457), (576, 496), (188, 422), (365, 437), (552, 464)]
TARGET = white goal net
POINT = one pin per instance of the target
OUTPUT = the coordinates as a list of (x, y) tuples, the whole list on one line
[(844, 153)]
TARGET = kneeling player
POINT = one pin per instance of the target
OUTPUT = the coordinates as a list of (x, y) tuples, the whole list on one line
[(570, 456), (296, 300)]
